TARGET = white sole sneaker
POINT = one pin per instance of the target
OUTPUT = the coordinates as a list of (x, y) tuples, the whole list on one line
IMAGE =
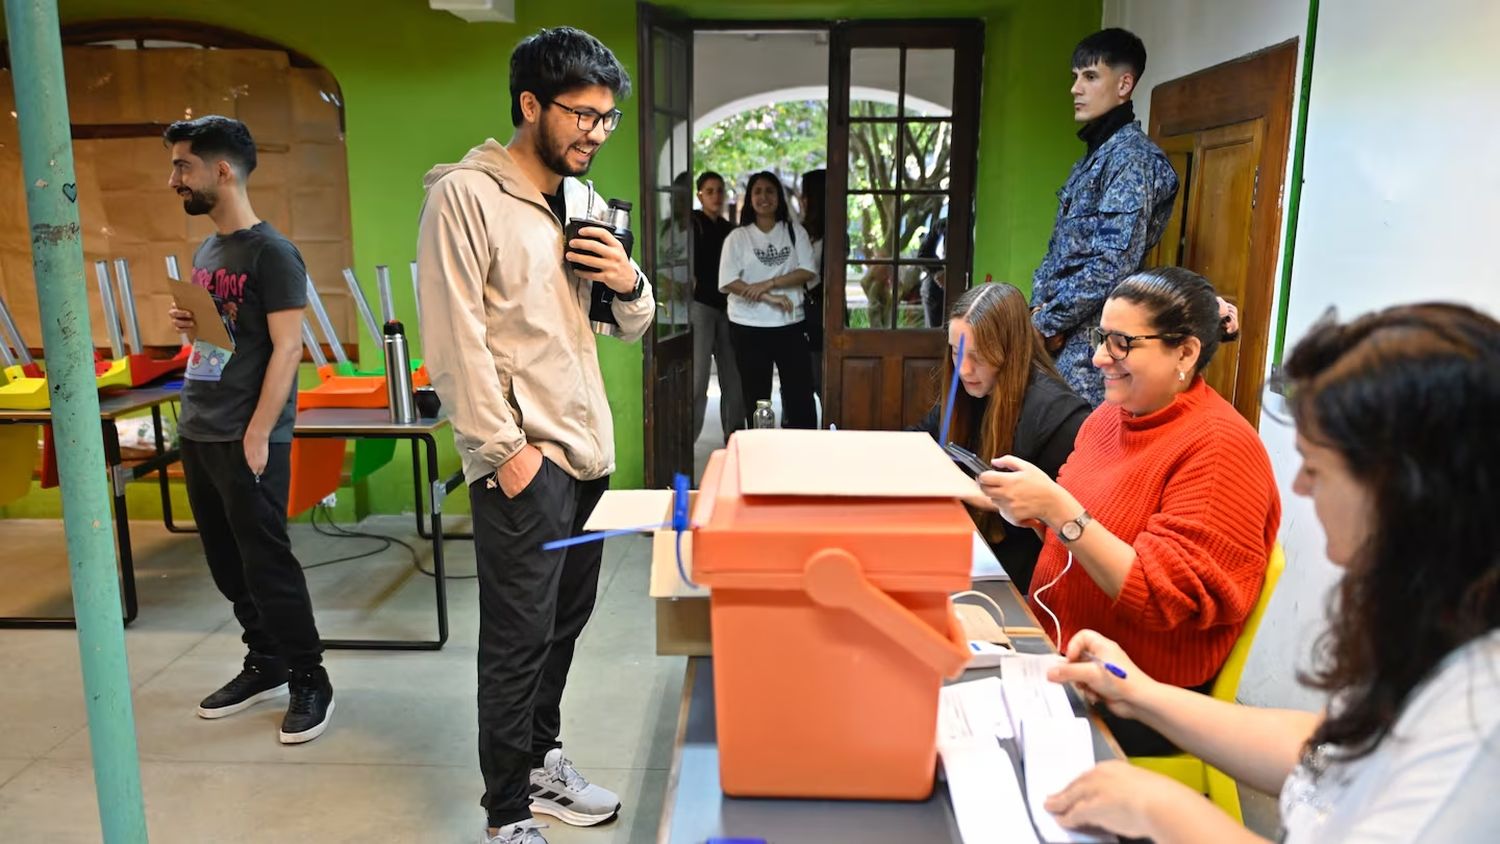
[(225, 711), (568, 816), (312, 733)]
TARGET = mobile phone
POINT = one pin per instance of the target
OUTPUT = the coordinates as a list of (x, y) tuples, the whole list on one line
[(966, 460)]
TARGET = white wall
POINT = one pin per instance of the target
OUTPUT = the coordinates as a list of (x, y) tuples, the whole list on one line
[(1400, 201), (1184, 36)]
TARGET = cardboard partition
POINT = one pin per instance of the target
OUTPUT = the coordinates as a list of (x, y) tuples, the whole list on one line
[(846, 464), (682, 626)]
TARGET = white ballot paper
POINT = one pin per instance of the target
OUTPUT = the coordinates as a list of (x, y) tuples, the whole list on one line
[(973, 709), (1028, 692), (1054, 752), (986, 797)]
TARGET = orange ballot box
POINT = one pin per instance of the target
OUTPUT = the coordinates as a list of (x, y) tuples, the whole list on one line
[(829, 557)]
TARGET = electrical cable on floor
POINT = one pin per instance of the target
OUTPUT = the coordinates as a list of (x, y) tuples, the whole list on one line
[(338, 531)]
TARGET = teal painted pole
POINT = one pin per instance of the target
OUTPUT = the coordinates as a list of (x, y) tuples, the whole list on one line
[(62, 293)]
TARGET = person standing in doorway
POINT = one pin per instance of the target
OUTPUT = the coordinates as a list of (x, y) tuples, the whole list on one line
[(711, 344), (518, 370), (238, 407), (1111, 211), (766, 263)]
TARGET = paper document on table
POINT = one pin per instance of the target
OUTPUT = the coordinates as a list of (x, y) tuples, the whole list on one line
[(986, 798), (1056, 751), (1028, 692), (973, 709), (986, 567)]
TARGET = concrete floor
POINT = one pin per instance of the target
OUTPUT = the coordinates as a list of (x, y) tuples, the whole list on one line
[(398, 762)]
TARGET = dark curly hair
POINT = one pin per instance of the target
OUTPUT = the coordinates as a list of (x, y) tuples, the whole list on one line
[(562, 59), (1408, 397)]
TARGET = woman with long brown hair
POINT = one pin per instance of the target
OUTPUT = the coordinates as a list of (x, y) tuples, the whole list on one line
[(1395, 415), (1012, 401)]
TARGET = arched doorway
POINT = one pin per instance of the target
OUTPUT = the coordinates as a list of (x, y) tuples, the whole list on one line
[(127, 81)]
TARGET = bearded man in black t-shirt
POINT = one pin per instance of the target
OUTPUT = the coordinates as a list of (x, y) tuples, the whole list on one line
[(238, 407)]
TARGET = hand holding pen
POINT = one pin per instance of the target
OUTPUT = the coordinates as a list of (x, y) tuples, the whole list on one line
[(1102, 672)]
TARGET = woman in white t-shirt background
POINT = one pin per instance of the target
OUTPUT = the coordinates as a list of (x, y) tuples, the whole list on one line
[(766, 263), (1395, 415)]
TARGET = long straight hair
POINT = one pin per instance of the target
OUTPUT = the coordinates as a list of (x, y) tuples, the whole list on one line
[(783, 214), (1003, 337)]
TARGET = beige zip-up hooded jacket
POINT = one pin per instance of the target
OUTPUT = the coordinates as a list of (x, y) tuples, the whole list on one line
[(507, 337)]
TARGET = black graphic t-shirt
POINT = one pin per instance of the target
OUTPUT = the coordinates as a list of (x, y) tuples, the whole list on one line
[(250, 273)]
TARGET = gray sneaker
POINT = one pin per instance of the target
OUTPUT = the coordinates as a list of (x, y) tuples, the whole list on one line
[(521, 832), (557, 789)]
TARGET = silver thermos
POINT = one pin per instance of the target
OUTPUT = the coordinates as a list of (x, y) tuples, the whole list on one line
[(398, 374)]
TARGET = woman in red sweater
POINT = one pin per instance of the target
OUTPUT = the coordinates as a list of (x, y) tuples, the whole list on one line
[(1159, 527)]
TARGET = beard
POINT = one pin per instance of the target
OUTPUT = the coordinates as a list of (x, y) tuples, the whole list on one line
[(199, 202), (554, 153)]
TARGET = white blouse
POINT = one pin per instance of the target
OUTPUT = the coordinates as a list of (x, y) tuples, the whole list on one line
[(1435, 777)]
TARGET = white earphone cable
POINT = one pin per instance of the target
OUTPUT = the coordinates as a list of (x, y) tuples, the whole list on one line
[(1037, 596)]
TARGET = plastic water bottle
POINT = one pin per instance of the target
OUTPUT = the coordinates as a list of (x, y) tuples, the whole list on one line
[(764, 416)]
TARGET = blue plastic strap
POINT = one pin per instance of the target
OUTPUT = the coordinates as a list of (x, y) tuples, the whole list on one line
[(952, 393), (599, 536)]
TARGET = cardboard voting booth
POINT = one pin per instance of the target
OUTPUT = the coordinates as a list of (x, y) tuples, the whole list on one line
[(828, 559)]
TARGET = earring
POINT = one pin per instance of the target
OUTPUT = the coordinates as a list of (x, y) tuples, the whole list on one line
[(1181, 376)]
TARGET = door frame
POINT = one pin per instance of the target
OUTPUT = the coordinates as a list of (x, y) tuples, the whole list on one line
[(1255, 86), (654, 349), (963, 163)]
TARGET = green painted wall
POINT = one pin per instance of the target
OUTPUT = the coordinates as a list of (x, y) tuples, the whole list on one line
[(421, 87)]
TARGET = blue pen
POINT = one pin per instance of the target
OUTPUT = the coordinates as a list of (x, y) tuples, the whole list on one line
[(1109, 666)]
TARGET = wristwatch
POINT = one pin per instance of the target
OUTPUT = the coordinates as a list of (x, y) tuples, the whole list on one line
[(1070, 530), (640, 287)]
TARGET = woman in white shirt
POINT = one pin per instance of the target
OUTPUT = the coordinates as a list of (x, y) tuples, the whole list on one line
[(1395, 416), (766, 262)]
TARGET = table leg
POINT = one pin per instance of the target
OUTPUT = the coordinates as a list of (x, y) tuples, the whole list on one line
[(122, 519), (422, 530), (440, 585), (440, 577), (161, 476)]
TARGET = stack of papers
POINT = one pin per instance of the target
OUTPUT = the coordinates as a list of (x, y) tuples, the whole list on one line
[(1056, 748)]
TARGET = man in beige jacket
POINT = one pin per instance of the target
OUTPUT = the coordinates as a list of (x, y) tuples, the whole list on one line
[(511, 351)]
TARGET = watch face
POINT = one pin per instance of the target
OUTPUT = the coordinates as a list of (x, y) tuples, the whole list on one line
[(1071, 531)]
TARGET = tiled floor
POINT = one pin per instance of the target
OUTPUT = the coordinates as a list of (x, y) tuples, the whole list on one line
[(398, 762)]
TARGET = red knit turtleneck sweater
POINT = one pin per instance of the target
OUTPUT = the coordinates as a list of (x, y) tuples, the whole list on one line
[(1190, 488)]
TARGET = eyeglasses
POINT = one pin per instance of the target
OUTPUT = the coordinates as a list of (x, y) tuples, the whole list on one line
[(1118, 345), (588, 118)]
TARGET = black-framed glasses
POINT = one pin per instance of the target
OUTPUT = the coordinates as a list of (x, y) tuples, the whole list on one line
[(588, 118), (1118, 345)]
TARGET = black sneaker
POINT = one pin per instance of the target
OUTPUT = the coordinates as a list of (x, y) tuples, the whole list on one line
[(262, 679), (310, 708)]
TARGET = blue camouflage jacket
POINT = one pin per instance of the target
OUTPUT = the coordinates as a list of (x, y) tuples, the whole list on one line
[(1110, 212)]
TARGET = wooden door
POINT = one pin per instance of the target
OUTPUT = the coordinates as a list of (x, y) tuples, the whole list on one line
[(664, 236), (1227, 130), (903, 118), (1220, 208)]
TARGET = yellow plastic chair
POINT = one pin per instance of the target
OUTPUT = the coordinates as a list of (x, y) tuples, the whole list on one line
[(1190, 770)]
